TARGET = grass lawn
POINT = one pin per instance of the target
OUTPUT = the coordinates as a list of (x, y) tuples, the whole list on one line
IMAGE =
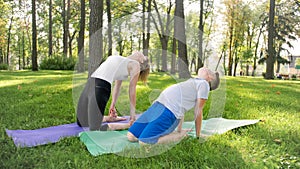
[(32, 100)]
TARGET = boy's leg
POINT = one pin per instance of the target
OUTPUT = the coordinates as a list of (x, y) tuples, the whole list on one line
[(131, 137), (172, 137)]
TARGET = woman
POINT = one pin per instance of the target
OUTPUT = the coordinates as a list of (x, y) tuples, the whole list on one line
[(167, 112), (93, 99)]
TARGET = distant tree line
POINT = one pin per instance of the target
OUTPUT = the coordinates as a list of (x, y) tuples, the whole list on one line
[(177, 38)]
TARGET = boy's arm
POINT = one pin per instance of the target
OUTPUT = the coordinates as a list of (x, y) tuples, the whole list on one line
[(179, 127), (198, 115)]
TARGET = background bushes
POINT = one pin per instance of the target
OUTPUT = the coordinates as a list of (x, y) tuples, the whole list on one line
[(58, 63), (3, 66)]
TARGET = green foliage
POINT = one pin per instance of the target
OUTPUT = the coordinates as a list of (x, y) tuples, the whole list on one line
[(58, 63), (3, 66), (32, 100)]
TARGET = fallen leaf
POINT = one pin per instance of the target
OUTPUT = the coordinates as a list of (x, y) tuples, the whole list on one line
[(277, 141), (19, 87), (263, 120), (278, 92)]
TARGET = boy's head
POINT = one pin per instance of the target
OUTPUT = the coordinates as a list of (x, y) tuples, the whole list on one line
[(210, 76)]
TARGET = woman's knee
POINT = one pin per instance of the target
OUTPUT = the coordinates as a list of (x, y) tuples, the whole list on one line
[(131, 137)]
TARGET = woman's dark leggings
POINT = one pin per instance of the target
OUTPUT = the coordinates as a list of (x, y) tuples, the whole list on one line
[(92, 103)]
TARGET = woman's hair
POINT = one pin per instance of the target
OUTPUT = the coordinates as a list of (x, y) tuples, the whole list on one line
[(144, 71), (144, 67)]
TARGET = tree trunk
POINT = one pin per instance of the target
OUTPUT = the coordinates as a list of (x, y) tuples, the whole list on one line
[(34, 39), (69, 40), (256, 49), (164, 43), (8, 40), (223, 52), (278, 67), (65, 29), (173, 61), (271, 51), (95, 35), (146, 28), (230, 57), (19, 48), (50, 46), (109, 29), (120, 41), (144, 25), (224, 63), (131, 44), (163, 34), (236, 61), (81, 37), (23, 49), (1, 56), (146, 49), (181, 38), (200, 37)]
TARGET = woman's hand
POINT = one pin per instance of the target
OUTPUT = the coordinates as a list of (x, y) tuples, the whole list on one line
[(113, 112), (132, 120)]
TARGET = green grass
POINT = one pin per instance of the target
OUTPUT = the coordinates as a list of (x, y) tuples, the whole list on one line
[(31, 100)]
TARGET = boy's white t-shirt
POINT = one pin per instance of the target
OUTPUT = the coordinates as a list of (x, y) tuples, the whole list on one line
[(114, 68), (181, 97)]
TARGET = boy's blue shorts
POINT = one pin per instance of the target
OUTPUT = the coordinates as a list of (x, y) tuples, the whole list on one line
[(154, 123)]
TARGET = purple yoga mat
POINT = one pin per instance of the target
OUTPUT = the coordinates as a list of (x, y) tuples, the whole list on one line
[(31, 138)]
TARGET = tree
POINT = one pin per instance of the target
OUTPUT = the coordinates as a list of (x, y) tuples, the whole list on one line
[(200, 36), (81, 37), (163, 29), (271, 50), (109, 29), (95, 35), (65, 28), (124, 24), (206, 8), (146, 27), (34, 38), (9, 39), (260, 32), (50, 45), (239, 34), (179, 24), (230, 6), (3, 33)]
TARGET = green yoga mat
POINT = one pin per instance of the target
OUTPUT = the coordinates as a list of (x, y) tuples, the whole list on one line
[(105, 142)]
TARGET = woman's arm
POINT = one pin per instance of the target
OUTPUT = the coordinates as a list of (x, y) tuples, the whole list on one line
[(134, 70), (115, 95), (198, 114)]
